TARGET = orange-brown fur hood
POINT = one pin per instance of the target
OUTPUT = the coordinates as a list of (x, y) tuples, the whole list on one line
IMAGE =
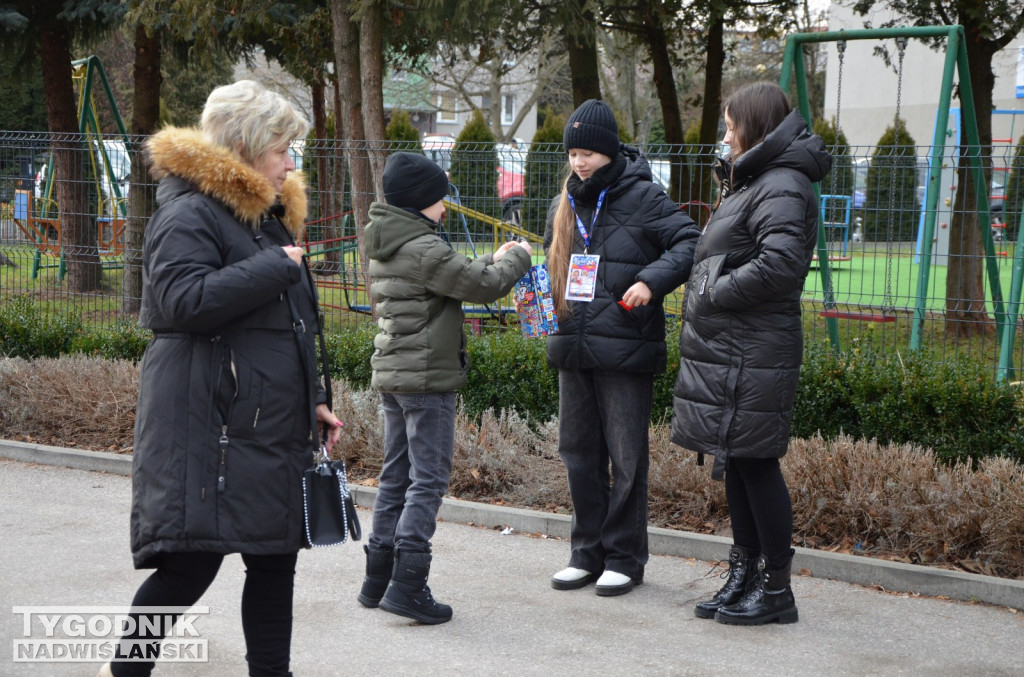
[(224, 176)]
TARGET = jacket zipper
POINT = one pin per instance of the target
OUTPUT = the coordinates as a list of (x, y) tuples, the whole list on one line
[(223, 441)]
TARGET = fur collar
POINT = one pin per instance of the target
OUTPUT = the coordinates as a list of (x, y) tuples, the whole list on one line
[(223, 175)]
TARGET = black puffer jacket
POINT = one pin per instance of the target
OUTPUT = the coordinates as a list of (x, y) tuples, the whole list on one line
[(641, 235), (741, 344), (226, 396)]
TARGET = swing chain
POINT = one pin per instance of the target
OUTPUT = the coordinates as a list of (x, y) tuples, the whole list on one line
[(887, 303)]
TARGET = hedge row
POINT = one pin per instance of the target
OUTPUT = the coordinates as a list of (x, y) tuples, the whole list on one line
[(956, 409)]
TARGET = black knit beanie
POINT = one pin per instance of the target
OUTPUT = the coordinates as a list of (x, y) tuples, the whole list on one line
[(412, 180), (592, 126)]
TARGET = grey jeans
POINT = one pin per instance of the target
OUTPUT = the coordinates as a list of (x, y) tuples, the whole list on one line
[(605, 417), (419, 440)]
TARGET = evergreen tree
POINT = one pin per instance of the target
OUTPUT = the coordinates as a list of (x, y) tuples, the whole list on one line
[(545, 172), (890, 210), (402, 134), (22, 108), (840, 180), (474, 171)]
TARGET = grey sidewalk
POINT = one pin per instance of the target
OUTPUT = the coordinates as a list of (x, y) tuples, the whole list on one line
[(64, 535)]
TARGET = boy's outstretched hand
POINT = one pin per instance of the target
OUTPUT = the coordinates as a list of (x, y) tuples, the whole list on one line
[(500, 251)]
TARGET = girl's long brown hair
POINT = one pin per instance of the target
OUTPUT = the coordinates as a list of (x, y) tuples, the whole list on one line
[(560, 249)]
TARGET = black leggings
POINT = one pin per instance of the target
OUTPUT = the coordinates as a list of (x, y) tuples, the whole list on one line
[(180, 580), (760, 508)]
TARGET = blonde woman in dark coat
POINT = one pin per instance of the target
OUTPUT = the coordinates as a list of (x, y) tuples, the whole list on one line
[(229, 397)]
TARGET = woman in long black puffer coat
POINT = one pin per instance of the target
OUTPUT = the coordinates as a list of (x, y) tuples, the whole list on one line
[(742, 344), (229, 397)]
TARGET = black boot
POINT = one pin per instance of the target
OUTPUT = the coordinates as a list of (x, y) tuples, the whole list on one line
[(770, 599), (408, 594), (379, 562), (740, 577)]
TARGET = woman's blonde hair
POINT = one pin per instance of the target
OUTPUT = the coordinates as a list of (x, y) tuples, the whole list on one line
[(562, 233), (250, 119)]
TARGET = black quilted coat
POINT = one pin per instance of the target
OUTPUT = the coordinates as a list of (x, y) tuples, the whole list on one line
[(741, 344), (641, 235)]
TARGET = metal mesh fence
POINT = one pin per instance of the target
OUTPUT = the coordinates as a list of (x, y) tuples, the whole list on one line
[(73, 210)]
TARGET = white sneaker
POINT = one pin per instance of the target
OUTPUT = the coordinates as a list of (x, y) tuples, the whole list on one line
[(571, 578), (613, 583)]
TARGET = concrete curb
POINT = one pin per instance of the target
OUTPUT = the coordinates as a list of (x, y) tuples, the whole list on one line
[(889, 576)]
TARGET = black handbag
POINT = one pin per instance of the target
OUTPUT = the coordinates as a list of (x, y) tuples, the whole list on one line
[(329, 513)]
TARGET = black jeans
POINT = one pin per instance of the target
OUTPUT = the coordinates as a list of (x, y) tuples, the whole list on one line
[(760, 508), (602, 417), (180, 580)]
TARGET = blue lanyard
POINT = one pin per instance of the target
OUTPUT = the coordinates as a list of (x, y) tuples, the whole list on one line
[(579, 221)]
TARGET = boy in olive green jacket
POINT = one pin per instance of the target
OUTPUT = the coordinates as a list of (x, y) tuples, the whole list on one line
[(418, 283)]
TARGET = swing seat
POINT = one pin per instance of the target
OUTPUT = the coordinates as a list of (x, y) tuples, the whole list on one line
[(862, 317)]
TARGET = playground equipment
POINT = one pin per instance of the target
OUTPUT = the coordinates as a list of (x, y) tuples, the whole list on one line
[(38, 217), (955, 61)]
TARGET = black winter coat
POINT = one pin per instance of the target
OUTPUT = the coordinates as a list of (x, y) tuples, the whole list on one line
[(742, 343), (641, 235), (226, 395)]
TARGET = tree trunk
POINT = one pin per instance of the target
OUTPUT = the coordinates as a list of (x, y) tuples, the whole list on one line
[(965, 289), (142, 193), (371, 60), (327, 213), (581, 38), (77, 215), (346, 59), (711, 110), (668, 97)]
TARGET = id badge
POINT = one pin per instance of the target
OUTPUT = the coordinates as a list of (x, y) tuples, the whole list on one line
[(582, 277)]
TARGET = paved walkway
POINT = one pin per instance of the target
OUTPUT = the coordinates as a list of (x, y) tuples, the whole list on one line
[(65, 542)]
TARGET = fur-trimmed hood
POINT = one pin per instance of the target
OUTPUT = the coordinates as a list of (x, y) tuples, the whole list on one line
[(224, 176)]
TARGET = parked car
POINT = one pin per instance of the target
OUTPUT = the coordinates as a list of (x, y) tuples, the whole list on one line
[(439, 149), (511, 173)]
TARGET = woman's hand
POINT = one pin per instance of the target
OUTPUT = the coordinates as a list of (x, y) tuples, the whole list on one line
[(295, 254), (327, 417), (637, 295)]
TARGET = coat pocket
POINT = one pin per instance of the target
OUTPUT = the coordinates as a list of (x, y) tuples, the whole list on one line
[(700, 294)]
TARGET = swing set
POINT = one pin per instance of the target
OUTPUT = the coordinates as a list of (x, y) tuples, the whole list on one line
[(955, 62), (37, 217)]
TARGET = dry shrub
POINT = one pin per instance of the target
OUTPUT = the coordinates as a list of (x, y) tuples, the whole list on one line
[(886, 501), (72, 401), (682, 493), (894, 501), (502, 459)]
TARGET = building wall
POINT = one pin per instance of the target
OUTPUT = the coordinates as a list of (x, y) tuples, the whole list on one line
[(869, 88)]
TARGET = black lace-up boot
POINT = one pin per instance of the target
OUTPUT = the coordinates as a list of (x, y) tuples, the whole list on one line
[(770, 598), (738, 579)]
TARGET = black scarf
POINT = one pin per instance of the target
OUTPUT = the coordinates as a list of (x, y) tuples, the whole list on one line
[(586, 192)]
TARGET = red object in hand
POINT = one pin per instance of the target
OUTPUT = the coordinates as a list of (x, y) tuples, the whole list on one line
[(625, 305)]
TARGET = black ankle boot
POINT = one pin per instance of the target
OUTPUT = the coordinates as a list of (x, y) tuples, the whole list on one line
[(379, 563), (770, 599), (408, 594), (739, 579)]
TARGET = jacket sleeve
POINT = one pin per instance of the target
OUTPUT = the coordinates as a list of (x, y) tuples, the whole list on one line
[(190, 284), (675, 233), (448, 273), (785, 237)]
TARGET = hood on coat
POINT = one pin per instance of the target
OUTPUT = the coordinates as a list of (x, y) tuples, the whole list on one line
[(222, 174), (788, 145), (391, 227)]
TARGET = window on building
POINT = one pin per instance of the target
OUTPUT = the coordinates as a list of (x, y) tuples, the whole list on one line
[(447, 108), (508, 109)]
